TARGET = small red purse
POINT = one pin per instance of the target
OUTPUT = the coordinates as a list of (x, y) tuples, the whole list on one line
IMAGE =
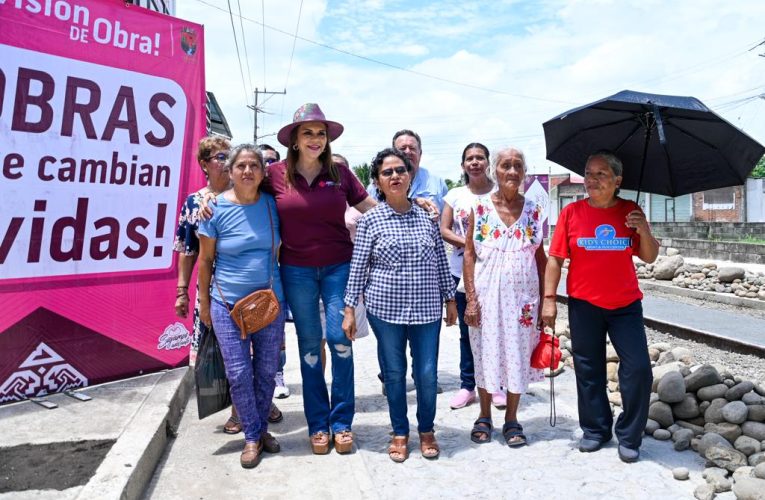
[(547, 352)]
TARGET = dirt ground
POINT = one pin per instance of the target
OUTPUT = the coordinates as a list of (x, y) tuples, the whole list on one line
[(55, 466)]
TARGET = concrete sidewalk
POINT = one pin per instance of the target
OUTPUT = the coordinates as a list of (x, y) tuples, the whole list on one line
[(202, 462)]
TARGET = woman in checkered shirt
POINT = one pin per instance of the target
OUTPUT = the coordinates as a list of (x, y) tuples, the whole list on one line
[(400, 266)]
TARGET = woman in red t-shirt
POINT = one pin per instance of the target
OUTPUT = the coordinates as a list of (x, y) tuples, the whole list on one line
[(600, 235)]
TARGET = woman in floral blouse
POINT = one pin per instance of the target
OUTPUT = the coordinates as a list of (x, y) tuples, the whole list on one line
[(503, 272)]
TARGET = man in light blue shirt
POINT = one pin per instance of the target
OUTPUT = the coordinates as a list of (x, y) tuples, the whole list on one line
[(424, 184)]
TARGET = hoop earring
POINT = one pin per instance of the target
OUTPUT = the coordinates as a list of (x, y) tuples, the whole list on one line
[(294, 147)]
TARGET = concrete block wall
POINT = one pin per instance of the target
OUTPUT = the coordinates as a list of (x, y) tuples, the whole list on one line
[(731, 231), (718, 250)]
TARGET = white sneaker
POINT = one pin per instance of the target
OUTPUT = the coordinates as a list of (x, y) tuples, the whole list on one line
[(281, 391)]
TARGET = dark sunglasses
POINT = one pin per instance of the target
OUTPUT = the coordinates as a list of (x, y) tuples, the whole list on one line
[(389, 171), (221, 157), (269, 161)]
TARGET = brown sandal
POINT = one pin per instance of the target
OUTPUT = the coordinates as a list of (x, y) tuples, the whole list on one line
[(233, 425), (398, 450), (251, 454), (270, 444), (344, 442), (429, 445), (320, 443)]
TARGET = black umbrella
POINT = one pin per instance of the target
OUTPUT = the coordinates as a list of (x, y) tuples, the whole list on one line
[(669, 145)]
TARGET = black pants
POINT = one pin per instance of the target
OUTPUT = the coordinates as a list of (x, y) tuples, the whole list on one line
[(589, 325)]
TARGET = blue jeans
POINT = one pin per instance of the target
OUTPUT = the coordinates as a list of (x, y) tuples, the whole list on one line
[(467, 369), (303, 286), (589, 325), (251, 377), (391, 351)]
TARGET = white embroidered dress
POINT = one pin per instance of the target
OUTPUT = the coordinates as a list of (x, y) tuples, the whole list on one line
[(507, 285)]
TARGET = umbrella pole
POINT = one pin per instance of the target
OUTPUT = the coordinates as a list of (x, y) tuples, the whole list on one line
[(648, 124)]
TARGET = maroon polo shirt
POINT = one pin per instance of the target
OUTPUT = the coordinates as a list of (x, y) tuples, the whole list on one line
[(312, 217)]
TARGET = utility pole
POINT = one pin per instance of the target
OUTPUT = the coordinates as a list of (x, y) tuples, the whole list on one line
[(257, 110)]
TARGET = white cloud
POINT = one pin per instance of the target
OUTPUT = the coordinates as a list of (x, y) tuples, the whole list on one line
[(571, 52)]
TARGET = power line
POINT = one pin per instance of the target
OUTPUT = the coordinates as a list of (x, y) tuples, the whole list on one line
[(238, 57), (393, 66), (244, 44), (292, 54)]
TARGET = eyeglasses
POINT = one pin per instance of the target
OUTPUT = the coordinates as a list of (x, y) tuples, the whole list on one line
[(389, 171), (269, 161), (221, 157)]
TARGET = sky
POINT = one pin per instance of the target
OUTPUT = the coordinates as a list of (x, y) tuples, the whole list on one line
[(462, 71)]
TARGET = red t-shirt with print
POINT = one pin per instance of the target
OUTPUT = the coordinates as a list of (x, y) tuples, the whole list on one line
[(312, 217), (597, 242)]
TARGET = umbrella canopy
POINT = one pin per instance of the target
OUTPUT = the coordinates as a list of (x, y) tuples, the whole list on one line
[(669, 145)]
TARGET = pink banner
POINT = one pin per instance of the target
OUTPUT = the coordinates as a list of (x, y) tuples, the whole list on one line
[(101, 106)]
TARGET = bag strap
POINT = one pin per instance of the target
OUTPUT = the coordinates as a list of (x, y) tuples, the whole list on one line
[(553, 415), (270, 256)]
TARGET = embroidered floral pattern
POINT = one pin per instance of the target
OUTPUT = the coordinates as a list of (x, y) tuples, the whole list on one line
[(527, 318)]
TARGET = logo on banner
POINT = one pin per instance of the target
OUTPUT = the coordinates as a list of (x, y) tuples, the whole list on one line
[(605, 239), (188, 41), (43, 372), (175, 336)]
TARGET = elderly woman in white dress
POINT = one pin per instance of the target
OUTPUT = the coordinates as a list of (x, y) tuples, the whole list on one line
[(503, 272)]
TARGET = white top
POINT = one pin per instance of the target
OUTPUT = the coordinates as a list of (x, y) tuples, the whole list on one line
[(461, 200)]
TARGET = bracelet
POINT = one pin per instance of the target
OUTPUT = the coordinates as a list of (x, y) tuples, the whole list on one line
[(550, 296), (179, 287), (181, 294)]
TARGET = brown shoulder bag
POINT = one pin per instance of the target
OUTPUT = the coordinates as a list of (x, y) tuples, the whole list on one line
[(258, 309)]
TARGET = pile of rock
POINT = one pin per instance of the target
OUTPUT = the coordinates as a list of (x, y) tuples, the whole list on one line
[(705, 277), (700, 407)]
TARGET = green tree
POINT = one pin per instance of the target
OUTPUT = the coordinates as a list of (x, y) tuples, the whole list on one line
[(362, 172), (450, 184), (759, 170)]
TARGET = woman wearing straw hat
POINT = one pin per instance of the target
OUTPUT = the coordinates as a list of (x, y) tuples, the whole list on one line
[(311, 195)]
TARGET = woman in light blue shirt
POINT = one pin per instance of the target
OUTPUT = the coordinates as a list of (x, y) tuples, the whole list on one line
[(241, 238)]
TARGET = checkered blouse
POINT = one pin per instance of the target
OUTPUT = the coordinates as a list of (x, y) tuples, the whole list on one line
[(399, 263)]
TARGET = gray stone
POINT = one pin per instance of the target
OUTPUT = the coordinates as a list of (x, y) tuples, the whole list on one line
[(662, 413), (685, 370), (687, 408), (714, 412), (759, 388), (682, 354), (704, 492), (704, 376), (664, 268), (756, 459), (662, 434), (680, 473), (673, 428), (725, 458), (682, 439), (757, 413), (613, 386), (747, 445), (735, 412), (754, 429), (666, 357), (695, 443), (747, 471), (671, 252), (704, 405), (697, 429), (729, 274), (651, 426), (611, 355), (717, 478), (749, 488), (729, 382), (711, 439), (725, 429), (759, 471), (659, 371), (671, 388), (661, 346), (752, 398), (612, 373), (737, 391), (653, 398), (653, 354), (711, 392)]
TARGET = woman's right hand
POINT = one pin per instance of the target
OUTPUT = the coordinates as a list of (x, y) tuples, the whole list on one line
[(182, 306), (206, 204), (204, 314), (349, 323), (473, 313), (549, 312)]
